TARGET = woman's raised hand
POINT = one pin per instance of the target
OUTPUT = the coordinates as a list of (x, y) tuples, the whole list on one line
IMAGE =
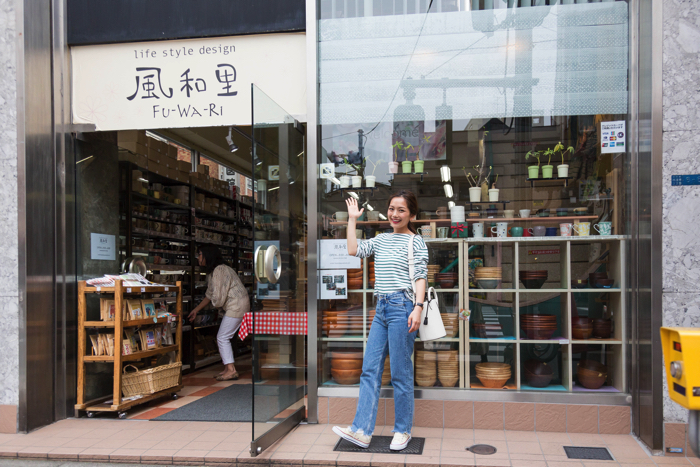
[(353, 211)]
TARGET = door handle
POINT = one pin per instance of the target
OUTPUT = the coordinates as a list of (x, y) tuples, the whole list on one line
[(264, 259)]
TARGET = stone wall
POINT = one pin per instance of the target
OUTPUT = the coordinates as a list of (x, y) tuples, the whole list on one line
[(681, 205), (9, 295)]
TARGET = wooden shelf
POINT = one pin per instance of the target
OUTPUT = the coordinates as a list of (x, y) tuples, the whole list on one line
[(132, 357), (125, 324), (101, 407), (447, 222)]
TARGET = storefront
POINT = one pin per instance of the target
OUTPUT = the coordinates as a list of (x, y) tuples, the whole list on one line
[(517, 128)]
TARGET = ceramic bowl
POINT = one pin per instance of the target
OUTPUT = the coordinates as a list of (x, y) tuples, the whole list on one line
[(537, 367), (346, 364), (590, 381), (537, 381), (533, 283), (602, 328), (488, 283), (493, 383), (592, 365), (539, 334), (346, 376), (582, 332)]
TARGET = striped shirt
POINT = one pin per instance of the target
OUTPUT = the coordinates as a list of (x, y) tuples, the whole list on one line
[(390, 252)]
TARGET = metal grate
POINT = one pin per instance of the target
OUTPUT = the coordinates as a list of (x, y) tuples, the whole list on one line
[(380, 445), (576, 452), (482, 449)]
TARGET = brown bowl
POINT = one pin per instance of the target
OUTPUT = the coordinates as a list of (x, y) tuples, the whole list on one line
[(346, 376), (346, 355), (539, 334), (493, 383), (537, 367), (579, 332), (592, 365), (346, 364), (605, 283), (591, 381), (537, 381), (581, 321), (602, 328)]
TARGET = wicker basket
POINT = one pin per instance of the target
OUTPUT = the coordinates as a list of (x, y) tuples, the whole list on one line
[(150, 381)]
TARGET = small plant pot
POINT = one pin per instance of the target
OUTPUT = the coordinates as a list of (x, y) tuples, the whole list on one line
[(563, 170), (406, 166), (493, 194), (533, 171), (475, 194), (547, 171), (418, 166), (370, 180), (393, 167)]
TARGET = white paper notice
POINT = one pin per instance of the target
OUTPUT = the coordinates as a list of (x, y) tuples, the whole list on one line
[(613, 136), (334, 255), (334, 284), (102, 247)]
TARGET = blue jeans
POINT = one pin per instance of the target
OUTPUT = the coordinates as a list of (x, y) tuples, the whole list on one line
[(390, 334)]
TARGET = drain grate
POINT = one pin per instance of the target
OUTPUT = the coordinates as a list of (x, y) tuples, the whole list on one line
[(380, 445), (576, 452), (482, 449)]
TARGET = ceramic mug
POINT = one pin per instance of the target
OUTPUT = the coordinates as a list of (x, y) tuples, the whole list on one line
[(501, 229), (426, 231), (527, 232), (524, 213), (344, 181), (539, 231), (603, 228), (582, 229), (565, 230), (478, 230), (340, 216), (516, 232), (508, 213), (373, 216), (444, 232), (551, 232)]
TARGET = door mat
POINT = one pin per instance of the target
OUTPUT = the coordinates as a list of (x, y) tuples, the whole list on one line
[(576, 452), (380, 445)]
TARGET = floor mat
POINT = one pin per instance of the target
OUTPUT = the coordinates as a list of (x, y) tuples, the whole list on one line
[(234, 404), (380, 445), (576, 452)]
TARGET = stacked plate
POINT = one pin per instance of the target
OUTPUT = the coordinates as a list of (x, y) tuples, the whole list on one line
[(533, 279), (346, 367), (451, 322), (432, 270), (448, 367), (426, 368), (353, 320), (354, 278), (488, 278), (333, 324), (493, 375), (538, 327)]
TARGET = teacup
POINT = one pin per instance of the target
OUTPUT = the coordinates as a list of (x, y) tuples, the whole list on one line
[(478, 230), (444, 232), (508, 213), (426, 231), (551, 232), (565, 230), (373, 216), (539, 231), (516, 232), (527, 232), (603, 228), (524, 213), (582, 229)]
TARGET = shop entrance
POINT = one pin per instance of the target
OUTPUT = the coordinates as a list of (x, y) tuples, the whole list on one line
[(165, 196)]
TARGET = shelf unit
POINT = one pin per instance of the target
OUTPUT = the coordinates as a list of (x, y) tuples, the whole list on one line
[(517, 297), (119, 292)]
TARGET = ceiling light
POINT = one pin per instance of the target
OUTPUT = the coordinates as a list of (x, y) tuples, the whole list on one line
[(354, 195), (275, 188), (140, 179), (369, 207), (450, 204), (448, 190), (231, 145), (382, 216), (335, 181), (83, 160), (445, 174)]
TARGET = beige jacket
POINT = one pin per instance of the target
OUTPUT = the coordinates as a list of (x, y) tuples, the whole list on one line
[(226, 291)]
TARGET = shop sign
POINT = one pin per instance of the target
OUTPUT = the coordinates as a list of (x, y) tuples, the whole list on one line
[(102, 247), (613, 137), (334, 255), (334, 284), (553, 251), (186, 83)]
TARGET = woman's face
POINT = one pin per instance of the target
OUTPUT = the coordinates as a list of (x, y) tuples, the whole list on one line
[(398, 213), (200, 258)]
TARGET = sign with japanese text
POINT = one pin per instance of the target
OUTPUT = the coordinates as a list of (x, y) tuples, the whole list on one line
[(186, 83), (102, 247), (334, 255), (552, 251), (613, 137)]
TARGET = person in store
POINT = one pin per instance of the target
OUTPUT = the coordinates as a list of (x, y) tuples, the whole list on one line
[(396, 320), (225, 290)]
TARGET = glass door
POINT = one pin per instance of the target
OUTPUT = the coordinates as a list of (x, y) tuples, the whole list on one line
[(280, 287)]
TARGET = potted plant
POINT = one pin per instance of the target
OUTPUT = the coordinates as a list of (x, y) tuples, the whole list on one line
[(418, 164), (370, 180), (393, 164), (407, 165), (533, 171), (547, 169), (563, 169), (493, 191), (474, 189)]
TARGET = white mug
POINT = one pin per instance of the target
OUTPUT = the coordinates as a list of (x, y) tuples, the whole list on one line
[(373, 216), (478, 229), (501, 229), (508, 213), (524, 213), (340, 216), (344, 181)]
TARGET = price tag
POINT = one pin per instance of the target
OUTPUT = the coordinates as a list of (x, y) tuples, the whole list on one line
[(128, 290), (99, 289), (143, 289), (563, 341)]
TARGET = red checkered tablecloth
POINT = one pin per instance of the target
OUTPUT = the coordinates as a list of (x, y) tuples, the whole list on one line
[(273, 323)]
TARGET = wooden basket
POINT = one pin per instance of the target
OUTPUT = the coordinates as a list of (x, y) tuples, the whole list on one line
[(150, 381)]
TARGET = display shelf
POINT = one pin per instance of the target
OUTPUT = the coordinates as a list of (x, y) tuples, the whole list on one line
[(475, 290), (212, 242), (156, 234), (106, 407), (132, 290), (527, 291), (157, 202), (412, 174), (215, 195), (598, 290), (214, 229), (343, 339), (597, 341), (186, 298), (509, 386), (157, 219), (167, 267), (494, 340), (131, 357), (125, 324), (550, 388), (156, 250), (211, 215), (551, 179), (602, 389)]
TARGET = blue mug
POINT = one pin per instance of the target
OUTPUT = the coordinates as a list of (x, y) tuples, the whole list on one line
[(551, 232)]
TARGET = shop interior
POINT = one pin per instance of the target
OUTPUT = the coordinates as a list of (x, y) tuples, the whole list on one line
[(160, 195), (523, 219)]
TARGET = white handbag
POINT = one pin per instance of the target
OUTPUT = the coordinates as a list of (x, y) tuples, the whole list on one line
[(431, 326)]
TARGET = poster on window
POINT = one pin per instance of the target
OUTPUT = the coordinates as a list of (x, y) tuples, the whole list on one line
[(334, 284), (613, 137)]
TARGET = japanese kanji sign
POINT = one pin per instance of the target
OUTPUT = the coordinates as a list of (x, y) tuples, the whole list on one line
[(334, 255), (613, 137), (186, 83)]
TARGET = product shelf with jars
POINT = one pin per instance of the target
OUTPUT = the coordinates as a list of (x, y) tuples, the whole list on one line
[(543, 299)]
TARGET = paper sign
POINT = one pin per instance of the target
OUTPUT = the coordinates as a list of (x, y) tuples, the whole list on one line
[(102, 247), (334, 255), (613, 137), (553, 251), (334, 284)]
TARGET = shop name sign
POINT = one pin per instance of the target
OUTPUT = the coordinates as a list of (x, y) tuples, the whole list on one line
[(186, 83)]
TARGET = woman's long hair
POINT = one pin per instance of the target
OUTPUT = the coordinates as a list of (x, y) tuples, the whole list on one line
[(411, 202), (212, 257)]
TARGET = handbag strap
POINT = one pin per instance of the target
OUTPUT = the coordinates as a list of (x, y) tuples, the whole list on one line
[(411, 267)]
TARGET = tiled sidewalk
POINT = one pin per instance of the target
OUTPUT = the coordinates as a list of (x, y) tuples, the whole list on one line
[(198, 443)]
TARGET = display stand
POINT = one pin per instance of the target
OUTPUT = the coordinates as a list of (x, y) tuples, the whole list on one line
[(119, 292)]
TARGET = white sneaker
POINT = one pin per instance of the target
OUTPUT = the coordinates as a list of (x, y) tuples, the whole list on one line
[(354, 437), (400, 441)]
